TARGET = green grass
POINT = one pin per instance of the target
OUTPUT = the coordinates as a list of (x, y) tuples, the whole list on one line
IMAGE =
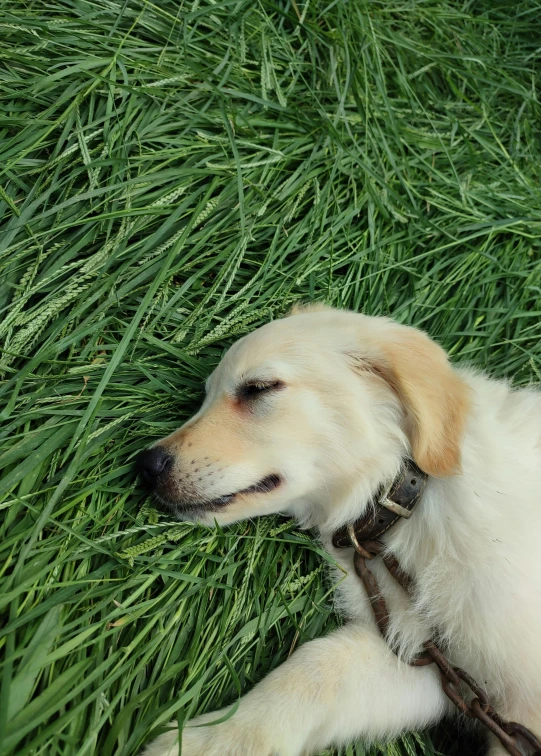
[(172, 176)]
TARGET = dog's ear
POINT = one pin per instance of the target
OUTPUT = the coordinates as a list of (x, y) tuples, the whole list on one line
[(435, 399)]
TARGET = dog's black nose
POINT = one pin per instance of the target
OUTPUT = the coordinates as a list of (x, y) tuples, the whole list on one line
[(153, 462)]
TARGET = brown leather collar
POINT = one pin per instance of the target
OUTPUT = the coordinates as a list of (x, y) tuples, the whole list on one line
[(388, 507)]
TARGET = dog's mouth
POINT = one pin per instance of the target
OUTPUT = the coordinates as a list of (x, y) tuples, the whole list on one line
[(265, 485)]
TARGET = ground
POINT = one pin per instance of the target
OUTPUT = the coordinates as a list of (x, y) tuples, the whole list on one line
[(173, 175)]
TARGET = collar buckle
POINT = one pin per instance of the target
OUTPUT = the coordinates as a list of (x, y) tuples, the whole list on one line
[(392, 506)]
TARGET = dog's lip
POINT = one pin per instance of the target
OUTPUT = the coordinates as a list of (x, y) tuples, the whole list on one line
[(265, 485)]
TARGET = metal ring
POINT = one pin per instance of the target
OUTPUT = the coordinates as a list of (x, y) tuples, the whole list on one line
[(356, 545)]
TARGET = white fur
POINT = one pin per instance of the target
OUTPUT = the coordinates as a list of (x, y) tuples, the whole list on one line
[(472, 544)]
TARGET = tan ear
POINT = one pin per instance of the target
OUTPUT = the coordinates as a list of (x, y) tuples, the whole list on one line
[(436, 400)]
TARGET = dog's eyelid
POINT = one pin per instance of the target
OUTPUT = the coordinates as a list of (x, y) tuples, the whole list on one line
[(264, 382), (253, 388)]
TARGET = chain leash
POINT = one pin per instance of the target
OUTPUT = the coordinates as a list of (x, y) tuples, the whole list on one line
[(513, 736)]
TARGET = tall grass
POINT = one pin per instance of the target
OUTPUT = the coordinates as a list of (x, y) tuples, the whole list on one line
[(173, 175)]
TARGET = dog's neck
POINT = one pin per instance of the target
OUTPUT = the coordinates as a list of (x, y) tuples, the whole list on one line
[(391, 504), (345, 503)]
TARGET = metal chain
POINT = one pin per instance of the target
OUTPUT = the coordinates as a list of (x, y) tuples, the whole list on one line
[(513, 736)]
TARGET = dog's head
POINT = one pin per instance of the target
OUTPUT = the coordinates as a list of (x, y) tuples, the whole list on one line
[(309, 412)]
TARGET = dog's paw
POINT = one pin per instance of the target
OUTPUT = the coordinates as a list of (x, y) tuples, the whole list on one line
[(225, 739), (165, 745)]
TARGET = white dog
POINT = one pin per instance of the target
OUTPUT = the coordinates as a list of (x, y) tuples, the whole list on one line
[(312, 415)]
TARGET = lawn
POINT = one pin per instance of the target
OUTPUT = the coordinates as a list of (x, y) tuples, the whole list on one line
[(173, 175)]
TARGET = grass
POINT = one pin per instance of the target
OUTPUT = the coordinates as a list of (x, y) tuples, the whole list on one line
[(172, 176)]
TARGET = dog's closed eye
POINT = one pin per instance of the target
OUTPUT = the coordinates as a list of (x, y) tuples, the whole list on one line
[(252, 390)]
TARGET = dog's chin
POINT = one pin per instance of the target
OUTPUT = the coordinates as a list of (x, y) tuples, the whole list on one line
[(208, 510)]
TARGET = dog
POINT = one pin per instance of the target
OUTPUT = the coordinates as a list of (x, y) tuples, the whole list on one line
[(311, 416)]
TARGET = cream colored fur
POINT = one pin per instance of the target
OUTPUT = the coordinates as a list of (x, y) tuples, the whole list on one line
[(360, 394)]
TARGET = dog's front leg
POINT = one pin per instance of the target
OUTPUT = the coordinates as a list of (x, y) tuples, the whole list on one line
[(334, 689)]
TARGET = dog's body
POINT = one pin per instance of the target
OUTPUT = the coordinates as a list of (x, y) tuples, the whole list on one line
[(311, 415)]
